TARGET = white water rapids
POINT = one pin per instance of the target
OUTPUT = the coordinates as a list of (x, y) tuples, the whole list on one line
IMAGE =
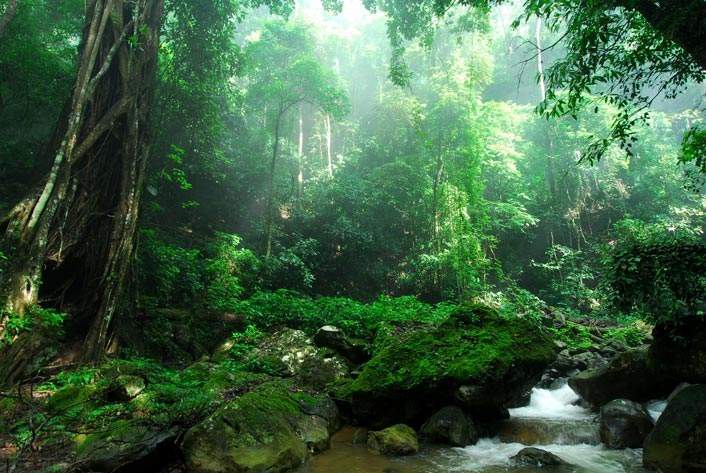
[(557, 424), (551, 421)]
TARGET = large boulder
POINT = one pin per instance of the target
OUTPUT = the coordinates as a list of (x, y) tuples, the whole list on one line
[(271, 428), (680, 349), (451, 426), (629, 375), (624, 424), (291, 352), (677, 443), (397, 440), (123, 445), (478, 360)]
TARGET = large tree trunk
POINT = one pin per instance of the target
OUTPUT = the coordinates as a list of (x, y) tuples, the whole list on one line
[(71, 242), (682, 21), (7, 16)]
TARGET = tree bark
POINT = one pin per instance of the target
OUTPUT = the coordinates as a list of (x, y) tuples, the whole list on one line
[(681, 21), (71, 243), (7, 16), (270, 216), (550, 174), (329, 151), (300, 176)]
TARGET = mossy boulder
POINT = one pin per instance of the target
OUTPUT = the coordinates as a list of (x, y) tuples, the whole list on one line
[(73, 399), (397, 440), (123, 443), (267, 429), (677, 444), (629, 375), (291, 353), (477, 359)]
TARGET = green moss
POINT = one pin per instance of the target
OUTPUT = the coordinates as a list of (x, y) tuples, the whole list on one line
[(575, 336), (399, 439), (255, 432), (472, 346), (632, 335), (74, 400)]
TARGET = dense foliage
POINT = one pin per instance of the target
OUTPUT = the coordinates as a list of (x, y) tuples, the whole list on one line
[(184, 198)]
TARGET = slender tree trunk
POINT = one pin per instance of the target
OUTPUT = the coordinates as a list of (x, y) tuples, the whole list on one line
[(329, 152), (438, 174), (75, 236), (550, 174), (300, 177), (269, 217), (7, 16)]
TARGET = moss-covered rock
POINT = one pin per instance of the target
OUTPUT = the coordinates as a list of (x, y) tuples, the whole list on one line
[(266, 429), (292, 353), (120, 443), (399, 439), (73, 399), (678, 442), (476, 359)]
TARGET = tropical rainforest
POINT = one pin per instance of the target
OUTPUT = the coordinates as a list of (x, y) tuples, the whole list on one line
[(400, 236)]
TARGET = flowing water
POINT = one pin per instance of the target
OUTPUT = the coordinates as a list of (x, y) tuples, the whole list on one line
[(552, 421)]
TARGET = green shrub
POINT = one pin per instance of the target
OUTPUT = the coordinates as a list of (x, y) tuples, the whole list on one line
[(171, 274), (36, 318), (576, 336), (228, 272), (284, 308), (215, 276), (632, 335), (245, 341), (658, 270)]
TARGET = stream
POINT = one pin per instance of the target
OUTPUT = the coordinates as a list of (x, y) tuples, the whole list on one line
[(552, 421)]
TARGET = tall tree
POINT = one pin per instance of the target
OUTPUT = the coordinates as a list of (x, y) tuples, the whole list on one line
[(285, 73), (72, 239), (7, 16)]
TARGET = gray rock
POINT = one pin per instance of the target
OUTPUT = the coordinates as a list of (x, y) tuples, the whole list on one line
[(292, 353), (531, 456), (624, 424), (120, 444), (677, 443), (452, 426), (627, 376)]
